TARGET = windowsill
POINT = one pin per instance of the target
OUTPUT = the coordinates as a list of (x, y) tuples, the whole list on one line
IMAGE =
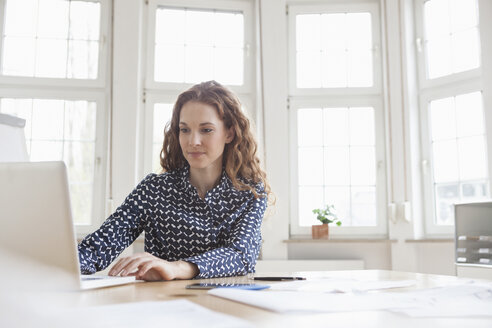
[(430, 240), (294, 240)]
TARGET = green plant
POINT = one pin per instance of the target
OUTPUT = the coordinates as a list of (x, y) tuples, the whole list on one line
[(327, 215)]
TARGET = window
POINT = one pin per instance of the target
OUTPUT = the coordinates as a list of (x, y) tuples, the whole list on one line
[(452, 112), (336, 117), (188, 43), (53, 62)]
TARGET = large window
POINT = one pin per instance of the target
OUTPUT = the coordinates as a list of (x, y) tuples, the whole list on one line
[(336, 116), (452, 111), (191, 42), (53, 62)]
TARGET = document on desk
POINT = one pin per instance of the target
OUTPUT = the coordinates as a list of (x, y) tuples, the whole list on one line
[(176, 313), (452, 301), (331, 285)]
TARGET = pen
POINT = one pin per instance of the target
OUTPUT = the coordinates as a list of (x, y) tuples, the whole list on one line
[(278, 278)]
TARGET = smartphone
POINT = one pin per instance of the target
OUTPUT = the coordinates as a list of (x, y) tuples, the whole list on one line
[(226, 285)]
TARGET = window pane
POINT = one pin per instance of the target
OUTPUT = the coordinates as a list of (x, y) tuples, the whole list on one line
[(48, 118), (442, 119), (465, 47), (475, 190), (334, 32), (472, 158), (362, 166), (362, 126), (82, 59), (337, 166), (337, 152), (445, 161), (310, 198), (84, 20), (308, 69), (20, 18), (436, 16), (359, 31), (170, 26), (192, 46), (51, 58), (310, 166), (169, 63), (199, 63), (62, 130), (334, 68), (451, 36), (363, 206), (438, 57), (336, 126), (53, 19), (469, 114), (19, 56), (309, 127), (464, 14), (198, 29), (308, 25), (334, 50), (232, 36), (360, 68), (39, 35), (228, 65), (459, 152)]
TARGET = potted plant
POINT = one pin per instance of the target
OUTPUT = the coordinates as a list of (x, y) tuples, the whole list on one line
[(325, 216)]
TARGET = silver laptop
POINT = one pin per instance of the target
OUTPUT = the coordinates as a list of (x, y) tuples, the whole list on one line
[(36, 221)]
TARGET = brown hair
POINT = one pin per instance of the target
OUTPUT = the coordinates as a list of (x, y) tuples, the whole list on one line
[(239, 159)]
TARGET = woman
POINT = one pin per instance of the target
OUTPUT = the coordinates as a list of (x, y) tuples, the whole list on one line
[(202, 216)]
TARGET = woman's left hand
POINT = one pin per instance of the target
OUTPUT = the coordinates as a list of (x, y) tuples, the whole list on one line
[(145, 266)]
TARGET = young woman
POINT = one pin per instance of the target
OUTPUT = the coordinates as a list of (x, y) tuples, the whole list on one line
[(202, 216)]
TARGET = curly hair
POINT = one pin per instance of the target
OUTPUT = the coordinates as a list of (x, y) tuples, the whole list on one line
[(239, 158)]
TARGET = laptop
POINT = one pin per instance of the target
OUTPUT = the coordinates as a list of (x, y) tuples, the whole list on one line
[(36, 221)]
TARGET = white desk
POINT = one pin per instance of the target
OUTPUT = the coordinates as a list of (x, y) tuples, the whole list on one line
[(172, 290)]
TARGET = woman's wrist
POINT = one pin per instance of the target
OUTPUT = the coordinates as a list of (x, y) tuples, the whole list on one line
[(185, 270)]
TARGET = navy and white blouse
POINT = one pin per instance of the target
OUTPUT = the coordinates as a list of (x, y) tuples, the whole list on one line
[(220, 234)]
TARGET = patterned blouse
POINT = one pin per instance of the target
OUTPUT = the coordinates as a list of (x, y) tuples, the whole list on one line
[(220, 234)]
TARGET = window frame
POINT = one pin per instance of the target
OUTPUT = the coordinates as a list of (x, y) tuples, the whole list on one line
[(95, 90), (103, 63), (432, 89), (339, 97), (227, 5), (363, 101), (371, 7), (424, 82), (100, 147)]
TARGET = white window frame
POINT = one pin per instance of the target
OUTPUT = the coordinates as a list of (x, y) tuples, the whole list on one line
[(92, 90), (101, 80), (438, 88), (365, 101), (328, 9), (339, 97), (227, 5), (443, 80)]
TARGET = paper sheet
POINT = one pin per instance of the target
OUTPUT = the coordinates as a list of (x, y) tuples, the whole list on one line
[(453, 301), (331, 285)]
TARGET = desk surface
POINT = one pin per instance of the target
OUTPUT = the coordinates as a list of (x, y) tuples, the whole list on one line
[(172, 290)]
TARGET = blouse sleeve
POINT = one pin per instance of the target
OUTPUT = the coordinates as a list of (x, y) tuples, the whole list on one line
[(241, 250), (100, 248)]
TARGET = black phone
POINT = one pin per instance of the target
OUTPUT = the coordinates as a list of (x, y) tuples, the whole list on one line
[(226, 285)]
